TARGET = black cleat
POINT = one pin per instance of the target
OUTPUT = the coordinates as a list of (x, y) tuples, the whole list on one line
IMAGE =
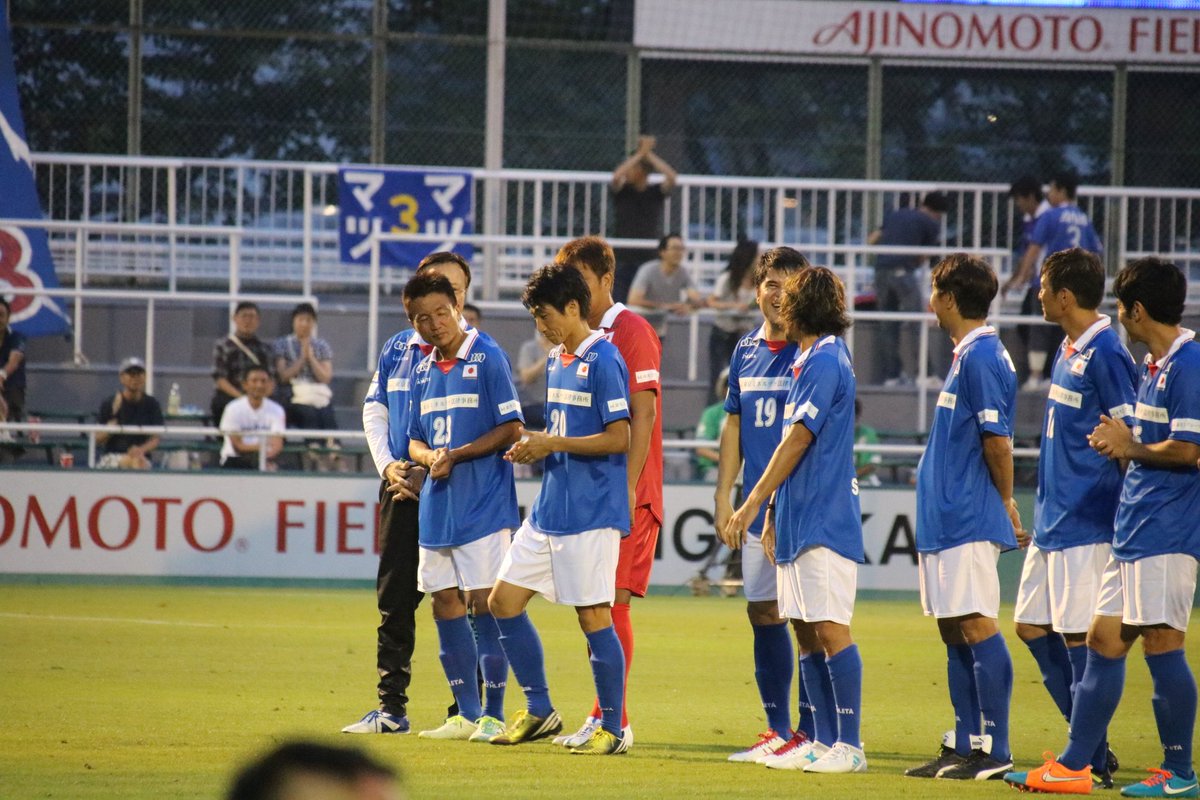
[(945, 759), (979, 766)]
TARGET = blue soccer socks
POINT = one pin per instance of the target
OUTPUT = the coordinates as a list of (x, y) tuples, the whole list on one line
[(773, 659), (524, 650), (960, 680), (815, 674), (1096, 698), (994, 683), (608, 671), (459, 661), (1050, 653), (845, 676), (492, 664), (1174, 702)]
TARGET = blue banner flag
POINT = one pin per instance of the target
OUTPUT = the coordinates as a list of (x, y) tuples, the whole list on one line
[(24, 252), (402, 201)]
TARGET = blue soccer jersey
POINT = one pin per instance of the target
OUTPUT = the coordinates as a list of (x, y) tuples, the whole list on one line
[(1078, 488), (391, 384), (585, 392), (759, 379), (817, 505), (454, 403), (1160, 508), (957, 502), (1064, 227)]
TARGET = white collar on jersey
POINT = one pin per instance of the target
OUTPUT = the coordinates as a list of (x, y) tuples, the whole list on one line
[(802, 357), (976, 333), (610, 316), (1184, 337), (464, 349), (1085, 338), (584, 346)]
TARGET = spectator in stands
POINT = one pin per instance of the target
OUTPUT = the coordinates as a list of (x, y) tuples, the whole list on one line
[(253, 411), (234, 354), (304, 368), (709, 427), (473, 315), (130, 406), (12, 381), (898, 284), (311, 771), (663, 285), (637, 209), (531, 380), (1026, 194), (734, 299), (866, 462)]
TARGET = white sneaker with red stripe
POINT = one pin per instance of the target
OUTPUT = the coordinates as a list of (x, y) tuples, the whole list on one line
[(768, 742)]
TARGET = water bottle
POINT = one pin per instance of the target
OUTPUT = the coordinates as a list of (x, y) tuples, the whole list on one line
[(173, 400)]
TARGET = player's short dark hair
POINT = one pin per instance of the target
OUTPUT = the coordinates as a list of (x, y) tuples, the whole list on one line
[(556, 285), (969, 280), (936, 201), (1079, 272), (472, 307), (267, 776), (246, 371), (1157, 284), (666, 240), (591, 252), (447, 257), (1067, 181), (426, 283), (304, 308), (814, 302), (246, 304), (1026, 186), (784, 259)]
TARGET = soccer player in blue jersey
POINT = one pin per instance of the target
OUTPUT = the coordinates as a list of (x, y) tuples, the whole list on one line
[(464, 414), (567, 549), (1078, 488), (966, 516), (760, 374), (1156, 546), (813, 531)]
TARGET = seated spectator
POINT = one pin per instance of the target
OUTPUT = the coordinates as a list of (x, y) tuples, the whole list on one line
[(312, 771), (709, 427), (130, 406), (234, 354), (253, 411), (304, 369), (12, 382), (473, 315), (663, 285), (734, 298), (866, 462), (531, 380)]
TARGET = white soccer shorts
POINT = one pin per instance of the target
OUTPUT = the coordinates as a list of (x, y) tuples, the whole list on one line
[(1110, 600), (1060, 588), (575, 570), (1158, 590), (470, 566), (819, 586), (758, 574), (960, 581)]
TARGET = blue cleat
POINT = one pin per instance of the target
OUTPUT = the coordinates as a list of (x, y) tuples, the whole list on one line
[(1163, 783)]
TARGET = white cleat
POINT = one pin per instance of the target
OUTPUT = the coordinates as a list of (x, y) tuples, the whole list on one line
[(457, 727), (798, 759), (840, 758), (768, 742), (378, 722), (579, 737), (626, 740)]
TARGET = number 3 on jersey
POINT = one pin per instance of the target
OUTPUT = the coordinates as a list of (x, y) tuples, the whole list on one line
[(764, 412), (558, 422), (441, 431)]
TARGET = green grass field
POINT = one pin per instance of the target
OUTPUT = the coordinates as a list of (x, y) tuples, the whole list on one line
[(135, 691)]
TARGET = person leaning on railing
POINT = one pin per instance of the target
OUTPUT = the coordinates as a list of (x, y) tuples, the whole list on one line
[(129, 406)]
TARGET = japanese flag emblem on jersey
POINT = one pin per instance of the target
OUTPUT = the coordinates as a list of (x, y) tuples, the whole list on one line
[(582, 372), (1162, 381), (471, 371), (1078, 366)]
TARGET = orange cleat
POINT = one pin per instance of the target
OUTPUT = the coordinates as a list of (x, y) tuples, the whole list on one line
[(1052, 778)]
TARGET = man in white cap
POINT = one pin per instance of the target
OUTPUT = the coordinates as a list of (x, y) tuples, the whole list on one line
[(130, 406)]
